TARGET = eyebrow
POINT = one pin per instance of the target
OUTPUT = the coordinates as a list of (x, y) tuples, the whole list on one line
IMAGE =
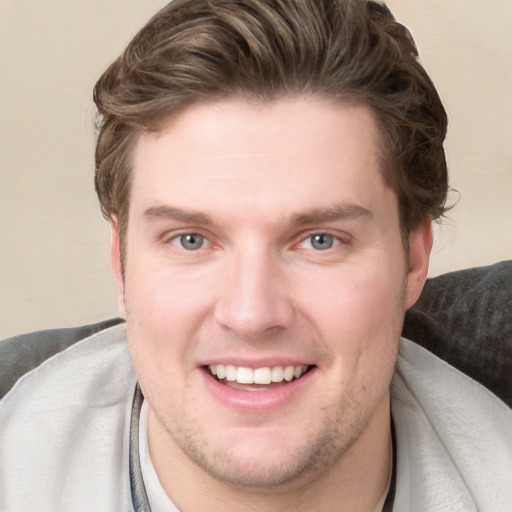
[(314, 216), (330, 214), (170, 213)]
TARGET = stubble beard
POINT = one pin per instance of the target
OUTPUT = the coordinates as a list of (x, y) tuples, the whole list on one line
[(319, 451)]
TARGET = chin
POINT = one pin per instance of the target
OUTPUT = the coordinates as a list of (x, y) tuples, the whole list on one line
[(273, 459)]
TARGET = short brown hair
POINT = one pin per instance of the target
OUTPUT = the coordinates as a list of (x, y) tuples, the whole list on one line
[(343, 50)]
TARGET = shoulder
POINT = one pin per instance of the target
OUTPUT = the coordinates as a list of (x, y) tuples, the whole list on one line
[(69, 414), (21, 354), (454, 450)]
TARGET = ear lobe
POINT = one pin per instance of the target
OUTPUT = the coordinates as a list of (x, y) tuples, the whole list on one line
[(420, 245), (116, 262)]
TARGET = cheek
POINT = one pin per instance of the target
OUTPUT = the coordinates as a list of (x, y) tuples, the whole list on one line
[(356, 301), (358, 315), (160, 298), (165, 314)]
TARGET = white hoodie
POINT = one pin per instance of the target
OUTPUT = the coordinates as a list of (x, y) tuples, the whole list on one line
[(65, 426)]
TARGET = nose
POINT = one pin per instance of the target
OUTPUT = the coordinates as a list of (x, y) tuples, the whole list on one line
[(255, 296)]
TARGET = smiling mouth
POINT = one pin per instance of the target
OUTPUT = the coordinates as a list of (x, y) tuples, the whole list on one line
[(257, 379)]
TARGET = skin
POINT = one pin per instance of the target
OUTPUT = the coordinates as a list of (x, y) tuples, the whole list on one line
[(256, 181)]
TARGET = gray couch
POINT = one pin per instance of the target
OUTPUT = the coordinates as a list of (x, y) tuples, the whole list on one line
[(463, 317)]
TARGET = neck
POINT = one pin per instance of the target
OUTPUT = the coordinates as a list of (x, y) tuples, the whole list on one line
[(357, 480)]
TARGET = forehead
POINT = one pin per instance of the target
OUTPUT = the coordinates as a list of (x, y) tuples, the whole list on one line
[(295, 150)]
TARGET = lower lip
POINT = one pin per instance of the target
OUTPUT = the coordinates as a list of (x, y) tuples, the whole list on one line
[(257, 401)]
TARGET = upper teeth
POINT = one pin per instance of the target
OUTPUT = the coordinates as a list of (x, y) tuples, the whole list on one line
[(264, 375)]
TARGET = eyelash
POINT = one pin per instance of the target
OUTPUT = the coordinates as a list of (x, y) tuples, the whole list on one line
[(177, 241)]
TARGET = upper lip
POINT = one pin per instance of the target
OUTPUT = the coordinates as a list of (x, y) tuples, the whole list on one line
[(256, 363)]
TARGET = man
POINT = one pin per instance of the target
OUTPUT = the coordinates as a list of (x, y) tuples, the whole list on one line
[(270, 170)]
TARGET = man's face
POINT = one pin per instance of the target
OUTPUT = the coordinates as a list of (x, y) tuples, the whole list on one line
[(264, 245)]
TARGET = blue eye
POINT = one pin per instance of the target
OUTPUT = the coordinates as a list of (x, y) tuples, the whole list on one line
[(190, 241), (320, 242)]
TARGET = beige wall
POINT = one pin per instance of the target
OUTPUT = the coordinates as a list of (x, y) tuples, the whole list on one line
[(54, 267)]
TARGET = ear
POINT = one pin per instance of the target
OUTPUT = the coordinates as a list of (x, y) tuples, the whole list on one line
[(420, 245), (116, 262)]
